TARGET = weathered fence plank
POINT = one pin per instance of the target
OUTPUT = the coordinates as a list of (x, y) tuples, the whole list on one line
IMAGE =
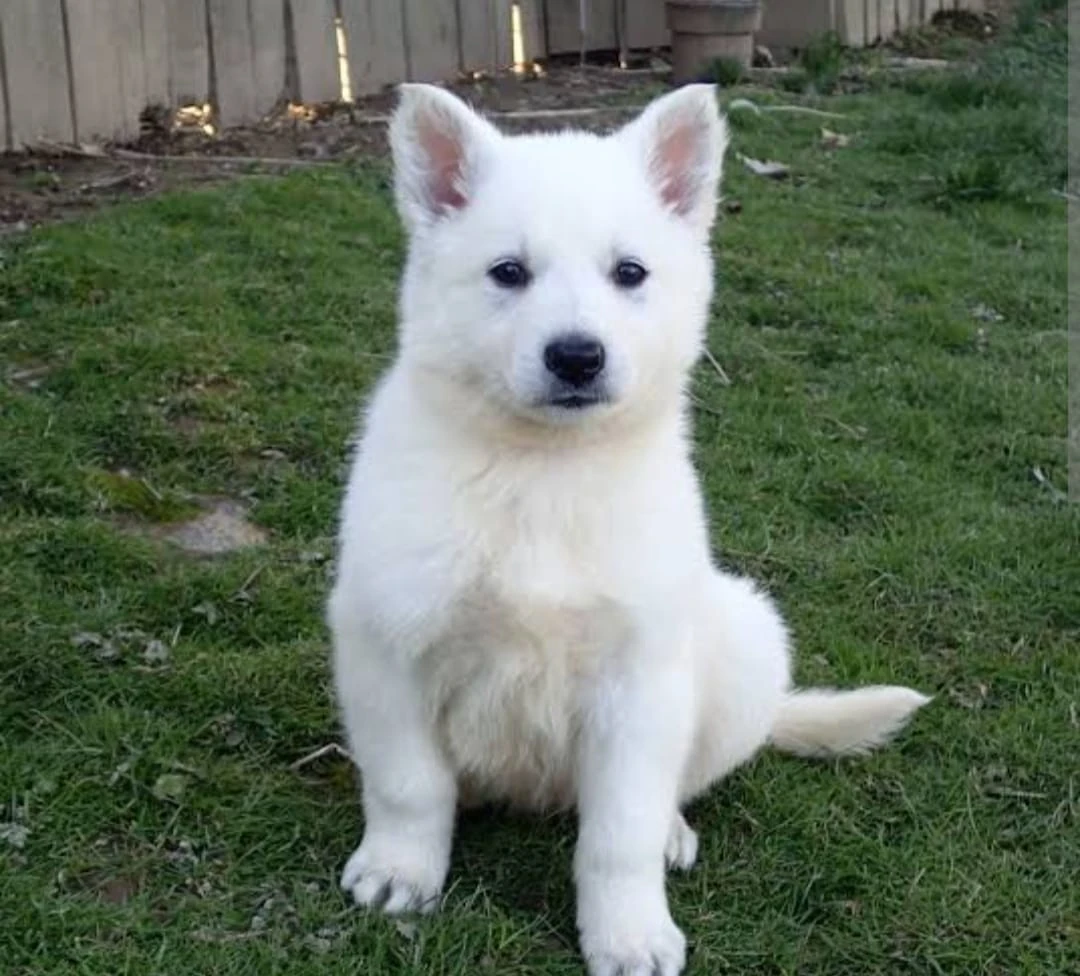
[(564, 26), (189, 52), (38, 91), (127, 46), (646, 24), (431, 40), (315, 43), (108, 80), (851, 22), (790, 24), (871, 22), (154, 27), (269, 54), (4, 141), (485, 34), (477, 33), (232, 50), (375, 37), (886, 18), (533, 32), (906, 14), (504, 34)]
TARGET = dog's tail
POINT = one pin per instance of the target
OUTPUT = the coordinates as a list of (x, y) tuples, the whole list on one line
[(821, 722)]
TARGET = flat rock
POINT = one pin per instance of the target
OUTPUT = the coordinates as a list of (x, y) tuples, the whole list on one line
[(222, 528)]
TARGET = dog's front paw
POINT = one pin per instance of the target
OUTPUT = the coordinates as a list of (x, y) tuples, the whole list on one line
[(630, 943), (378, 879)]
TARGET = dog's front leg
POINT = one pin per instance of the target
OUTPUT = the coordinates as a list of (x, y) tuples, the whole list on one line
[(409, 792), (634, 744)]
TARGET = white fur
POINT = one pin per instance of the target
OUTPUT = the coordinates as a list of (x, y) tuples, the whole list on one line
[(525, 606)]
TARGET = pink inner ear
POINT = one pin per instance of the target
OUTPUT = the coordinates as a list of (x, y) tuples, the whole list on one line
[(442, 146), (676, 165)]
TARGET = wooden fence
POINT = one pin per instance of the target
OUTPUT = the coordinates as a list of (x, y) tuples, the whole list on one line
[(790, 23), (84, 70)]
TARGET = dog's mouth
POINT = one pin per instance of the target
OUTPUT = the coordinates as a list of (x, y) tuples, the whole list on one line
[(576, 401)]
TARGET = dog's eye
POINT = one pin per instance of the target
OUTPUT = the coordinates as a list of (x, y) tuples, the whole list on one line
[(629, 273), (509, 274)]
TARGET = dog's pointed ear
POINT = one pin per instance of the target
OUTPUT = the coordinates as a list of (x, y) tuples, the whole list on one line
[(438, 145), (682, 138)]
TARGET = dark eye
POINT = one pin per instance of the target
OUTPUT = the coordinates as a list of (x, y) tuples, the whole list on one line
[(629, 273), (509, 274)]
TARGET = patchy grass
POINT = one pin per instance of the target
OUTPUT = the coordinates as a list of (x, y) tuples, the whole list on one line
[(896, 346)]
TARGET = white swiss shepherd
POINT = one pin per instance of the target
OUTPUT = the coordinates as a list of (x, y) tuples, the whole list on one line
[(525, 606)]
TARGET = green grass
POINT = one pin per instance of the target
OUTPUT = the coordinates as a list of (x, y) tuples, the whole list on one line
[(896, 346)]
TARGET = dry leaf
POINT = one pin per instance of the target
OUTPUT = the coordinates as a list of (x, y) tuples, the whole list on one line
[(1056, 493), (833, 140), (209, 611), (103, 648), (14, 834), (156, 652), (984, 313), (170, 787), (767, 168)]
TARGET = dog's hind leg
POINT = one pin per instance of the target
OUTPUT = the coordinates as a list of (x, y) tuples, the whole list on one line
[(743, 672)]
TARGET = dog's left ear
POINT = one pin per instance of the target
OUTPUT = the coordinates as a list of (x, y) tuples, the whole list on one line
[(440, 146), (682, 139)]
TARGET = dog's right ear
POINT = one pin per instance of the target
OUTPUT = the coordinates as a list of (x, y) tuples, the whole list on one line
[(439, 146)]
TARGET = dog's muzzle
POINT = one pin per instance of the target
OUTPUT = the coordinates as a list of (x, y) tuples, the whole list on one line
[(575, 364)]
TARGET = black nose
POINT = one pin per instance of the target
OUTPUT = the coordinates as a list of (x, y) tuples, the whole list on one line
[(574, 358)]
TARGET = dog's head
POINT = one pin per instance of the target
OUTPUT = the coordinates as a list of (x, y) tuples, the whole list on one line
[(557, 277)]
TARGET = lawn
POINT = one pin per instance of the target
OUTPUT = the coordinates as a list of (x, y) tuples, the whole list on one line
[(889, 457)]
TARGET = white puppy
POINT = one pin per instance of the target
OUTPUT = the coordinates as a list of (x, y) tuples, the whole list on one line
[(525, 607)]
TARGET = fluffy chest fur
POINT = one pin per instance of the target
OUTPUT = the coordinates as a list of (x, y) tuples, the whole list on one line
[(531, 624), (505, 682)]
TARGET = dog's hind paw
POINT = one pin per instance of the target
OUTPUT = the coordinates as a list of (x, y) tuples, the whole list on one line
[(394, 888), (680, 853)]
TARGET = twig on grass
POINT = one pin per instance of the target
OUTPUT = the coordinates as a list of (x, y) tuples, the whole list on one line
[(220, 160), (724, 378), (805, 109), (701, 405), (739, 103), (111, 183), (330, 749)]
